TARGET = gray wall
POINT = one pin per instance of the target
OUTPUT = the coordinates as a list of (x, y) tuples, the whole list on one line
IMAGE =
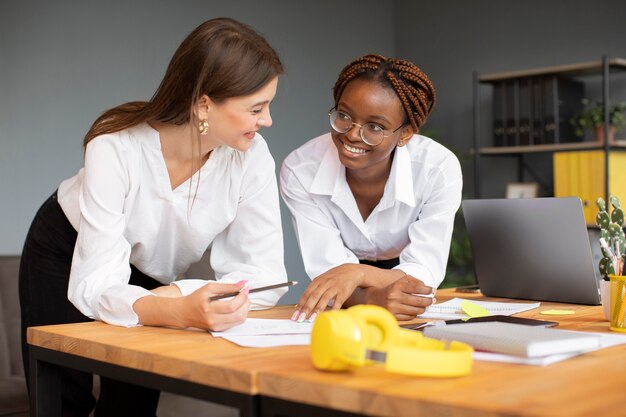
[(450, 39), (64, 62)]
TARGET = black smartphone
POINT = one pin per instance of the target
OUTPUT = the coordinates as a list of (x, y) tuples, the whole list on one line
[(505, 319)]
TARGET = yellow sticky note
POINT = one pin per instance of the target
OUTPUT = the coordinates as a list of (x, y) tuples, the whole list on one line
[(474, 310), (557, 312)]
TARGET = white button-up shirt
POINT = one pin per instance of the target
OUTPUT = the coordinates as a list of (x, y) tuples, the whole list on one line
[(413, 220), (125, 211)]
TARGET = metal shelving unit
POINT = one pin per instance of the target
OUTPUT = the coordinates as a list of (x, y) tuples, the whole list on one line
[(601, 67)]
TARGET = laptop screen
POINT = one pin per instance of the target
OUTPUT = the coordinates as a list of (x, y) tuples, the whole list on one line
[(532, 248)]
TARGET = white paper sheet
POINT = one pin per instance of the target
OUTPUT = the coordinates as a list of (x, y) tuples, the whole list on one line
[(271, 340), (265, 327), (268, 333), (451, 309)]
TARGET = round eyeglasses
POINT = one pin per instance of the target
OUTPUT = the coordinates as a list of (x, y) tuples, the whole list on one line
[(371, 133)]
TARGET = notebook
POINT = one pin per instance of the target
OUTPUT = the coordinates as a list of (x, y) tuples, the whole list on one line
[(532, 248), (515, 339)]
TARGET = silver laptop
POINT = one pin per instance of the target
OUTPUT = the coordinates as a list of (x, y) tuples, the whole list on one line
[(532, 248)]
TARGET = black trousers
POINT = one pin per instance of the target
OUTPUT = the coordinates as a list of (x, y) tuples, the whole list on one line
[(43, 281)]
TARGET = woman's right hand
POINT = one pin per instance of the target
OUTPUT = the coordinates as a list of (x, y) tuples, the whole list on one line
[(405, 298), (196, 309)]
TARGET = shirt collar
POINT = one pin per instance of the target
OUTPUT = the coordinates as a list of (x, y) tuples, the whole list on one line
[(330, 175), (401, 176)]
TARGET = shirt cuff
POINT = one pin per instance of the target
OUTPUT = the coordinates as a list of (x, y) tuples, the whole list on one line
[(187, 286), (420, 272), (116, 305)]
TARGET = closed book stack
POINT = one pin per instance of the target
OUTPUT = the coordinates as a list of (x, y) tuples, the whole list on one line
[(515, 339)]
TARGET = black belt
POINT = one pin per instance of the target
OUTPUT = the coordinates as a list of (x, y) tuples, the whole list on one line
[(384, 264)]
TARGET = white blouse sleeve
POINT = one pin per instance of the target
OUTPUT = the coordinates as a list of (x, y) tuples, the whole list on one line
[(319, 237), (251, 247), (426, 256), (100, 272)]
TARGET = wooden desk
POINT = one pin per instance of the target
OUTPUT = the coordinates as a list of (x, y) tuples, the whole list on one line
[(282, 381), (192, 363), (588, 385)]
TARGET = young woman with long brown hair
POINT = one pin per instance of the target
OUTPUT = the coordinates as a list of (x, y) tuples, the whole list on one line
[(162, 181), (373, 202)]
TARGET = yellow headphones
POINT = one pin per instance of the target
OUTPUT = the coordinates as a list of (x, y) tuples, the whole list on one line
[(366, 334)]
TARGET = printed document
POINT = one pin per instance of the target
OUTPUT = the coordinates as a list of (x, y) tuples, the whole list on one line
[(451, 309)]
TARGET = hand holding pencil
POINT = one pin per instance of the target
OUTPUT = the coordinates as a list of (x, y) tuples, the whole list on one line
[(199, 309), (268, 287)]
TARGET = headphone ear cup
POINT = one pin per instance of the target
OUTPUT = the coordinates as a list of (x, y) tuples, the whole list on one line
[(337, 341), (340, 339), (380, 326)]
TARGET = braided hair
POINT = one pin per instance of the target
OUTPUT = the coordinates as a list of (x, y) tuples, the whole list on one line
[(412, 86)]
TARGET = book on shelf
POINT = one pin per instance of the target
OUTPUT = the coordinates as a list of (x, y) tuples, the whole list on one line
[(537, 111), (511, 113), (498, 114), (550, 96), (525, 112), (562, 100), (515, 339)]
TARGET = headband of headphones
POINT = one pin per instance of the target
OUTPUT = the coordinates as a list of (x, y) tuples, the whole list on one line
[(366, 334)]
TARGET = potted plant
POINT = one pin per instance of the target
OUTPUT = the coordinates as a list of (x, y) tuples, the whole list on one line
[(592, 118), (613, 246)]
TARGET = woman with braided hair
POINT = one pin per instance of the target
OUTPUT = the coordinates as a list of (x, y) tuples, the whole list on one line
[(373, 202)]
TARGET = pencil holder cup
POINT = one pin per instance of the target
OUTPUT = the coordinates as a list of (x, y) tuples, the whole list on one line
[(618, 303)]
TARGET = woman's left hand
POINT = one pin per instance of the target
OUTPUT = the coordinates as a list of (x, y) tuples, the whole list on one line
[(335, 286)]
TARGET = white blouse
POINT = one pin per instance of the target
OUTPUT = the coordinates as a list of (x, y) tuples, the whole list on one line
[(413, 220), (122, 205)]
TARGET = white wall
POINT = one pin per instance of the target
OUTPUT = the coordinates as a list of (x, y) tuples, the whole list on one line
[(64, 62)]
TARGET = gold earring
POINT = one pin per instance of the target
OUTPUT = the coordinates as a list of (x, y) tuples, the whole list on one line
[(203, 126)]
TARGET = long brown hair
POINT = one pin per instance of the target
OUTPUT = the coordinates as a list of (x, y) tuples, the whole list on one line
[(221, 58), (413, 87)]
